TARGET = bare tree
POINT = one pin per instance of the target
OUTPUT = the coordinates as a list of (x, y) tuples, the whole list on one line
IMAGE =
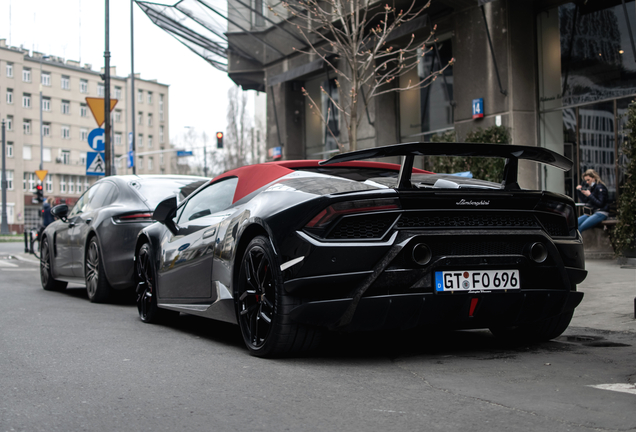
[(353, 38)]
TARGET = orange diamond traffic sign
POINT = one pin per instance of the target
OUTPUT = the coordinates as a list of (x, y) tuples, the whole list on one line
[(97, 108)]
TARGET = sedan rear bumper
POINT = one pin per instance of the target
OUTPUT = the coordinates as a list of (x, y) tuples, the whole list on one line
[(452, 311)]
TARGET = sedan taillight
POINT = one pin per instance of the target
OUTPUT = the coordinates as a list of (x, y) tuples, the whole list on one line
[(133, 217)]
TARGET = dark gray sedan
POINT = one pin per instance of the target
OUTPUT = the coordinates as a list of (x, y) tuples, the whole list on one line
[(94, 243)]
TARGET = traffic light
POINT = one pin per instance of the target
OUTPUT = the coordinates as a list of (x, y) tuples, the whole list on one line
[(219, 140), (39, 197)]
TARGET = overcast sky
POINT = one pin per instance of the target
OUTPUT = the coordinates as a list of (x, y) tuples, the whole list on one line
[(74, 30)]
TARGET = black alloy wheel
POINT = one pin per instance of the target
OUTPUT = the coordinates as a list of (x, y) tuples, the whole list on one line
[(97, 286), (46, 277), (263, 307), (149, 312)]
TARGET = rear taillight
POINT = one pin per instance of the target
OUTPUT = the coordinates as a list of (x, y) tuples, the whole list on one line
[(133, 217), (320, 223), (559, 208)]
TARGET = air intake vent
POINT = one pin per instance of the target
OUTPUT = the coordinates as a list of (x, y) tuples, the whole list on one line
[(472, 220), (372, 226), (555, 225)]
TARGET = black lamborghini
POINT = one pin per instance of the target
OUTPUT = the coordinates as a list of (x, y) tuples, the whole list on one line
[(290, 249)]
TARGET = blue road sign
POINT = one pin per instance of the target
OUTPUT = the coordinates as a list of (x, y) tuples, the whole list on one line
[(478, 108), (181, 153), (95, 164), (131, 159), (97, 140)]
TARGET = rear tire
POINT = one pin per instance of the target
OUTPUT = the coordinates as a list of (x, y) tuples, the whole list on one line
[(263, 307), (149, 311), (97, 287), (536, 332), (46, 275)]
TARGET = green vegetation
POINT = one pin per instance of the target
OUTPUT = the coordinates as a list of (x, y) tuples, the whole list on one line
[(490, 169), (624, 234)]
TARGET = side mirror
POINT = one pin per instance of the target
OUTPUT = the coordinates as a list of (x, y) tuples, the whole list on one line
[(60, 211), (164, 209)]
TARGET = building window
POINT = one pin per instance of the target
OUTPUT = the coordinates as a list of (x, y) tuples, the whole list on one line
[(26, 127), (9, 96), (149, 119), (46, 154), (161, 161), (83, 86), (48, 184), (83, 110), (84, 134), (140, 140), (65, 156), (149, 141), (46, 104), (63, 184), (149, 97), (160, 134), (45, 79), (82, 159), (26, 152), (79, 185), (140, 96), (140, 162), (71, 184), (9, 70), (140, 117), (10, 149), (26, 100), (46, 129), (66, 82), (117, 116), (259, 11), (117, 92), (9, 179), (26, 74), (86, 183), (150, 163), (28, 181), (118, 138), (66, 132), (66, 107), (100, 89), (161, 107), (9, 122)]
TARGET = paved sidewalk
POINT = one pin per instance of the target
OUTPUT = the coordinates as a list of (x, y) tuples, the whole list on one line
[(608, 303)]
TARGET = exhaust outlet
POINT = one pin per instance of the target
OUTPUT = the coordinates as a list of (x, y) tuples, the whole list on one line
[(421, 254), (538, 252)]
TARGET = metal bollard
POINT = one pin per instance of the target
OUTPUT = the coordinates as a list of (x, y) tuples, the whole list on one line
[(26, 242), (31, 242)]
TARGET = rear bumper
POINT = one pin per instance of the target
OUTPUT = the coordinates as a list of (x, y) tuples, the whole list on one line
[(452, 311)]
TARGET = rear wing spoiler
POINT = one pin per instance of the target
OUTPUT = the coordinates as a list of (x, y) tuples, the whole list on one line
[(512, 154)]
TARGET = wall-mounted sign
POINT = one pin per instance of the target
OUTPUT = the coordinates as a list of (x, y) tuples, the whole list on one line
[(275, 153), (478, 108), (182, 153)]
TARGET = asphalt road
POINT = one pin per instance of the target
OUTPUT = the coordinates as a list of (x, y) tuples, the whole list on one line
[(69, 365)]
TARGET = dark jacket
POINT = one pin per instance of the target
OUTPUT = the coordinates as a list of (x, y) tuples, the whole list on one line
[(598, 200), (47, 217)]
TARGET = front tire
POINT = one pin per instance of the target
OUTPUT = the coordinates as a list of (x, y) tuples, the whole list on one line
[(97, 287), (46, 275), (263, 307), (147, 307)]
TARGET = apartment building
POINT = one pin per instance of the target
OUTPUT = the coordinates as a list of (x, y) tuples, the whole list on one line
[(66, 124)]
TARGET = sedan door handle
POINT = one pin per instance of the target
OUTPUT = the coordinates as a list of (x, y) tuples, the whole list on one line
[(89, 220), (209, 233)]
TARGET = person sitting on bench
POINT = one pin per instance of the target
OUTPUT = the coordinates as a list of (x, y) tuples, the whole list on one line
[(595, 197)]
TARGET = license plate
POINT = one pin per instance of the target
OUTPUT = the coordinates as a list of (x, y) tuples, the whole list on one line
[(486, 280)]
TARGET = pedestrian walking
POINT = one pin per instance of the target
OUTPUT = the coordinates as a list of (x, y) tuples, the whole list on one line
[(596, 198), (47, 217)]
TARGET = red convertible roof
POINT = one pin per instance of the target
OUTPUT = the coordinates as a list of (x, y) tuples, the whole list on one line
[(253, 177)]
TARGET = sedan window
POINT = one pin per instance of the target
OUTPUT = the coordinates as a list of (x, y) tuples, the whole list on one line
[(214, 198)]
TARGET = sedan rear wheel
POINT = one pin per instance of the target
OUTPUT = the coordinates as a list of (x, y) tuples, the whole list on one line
[(46, 276), (97, 286), (149, 312), (263, 307)]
